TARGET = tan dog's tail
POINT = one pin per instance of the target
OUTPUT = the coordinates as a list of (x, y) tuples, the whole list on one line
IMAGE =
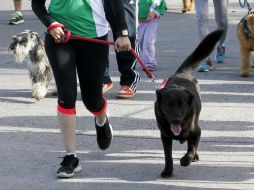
[(201, 52)]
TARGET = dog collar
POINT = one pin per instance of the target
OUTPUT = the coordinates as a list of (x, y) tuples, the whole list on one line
[(247, 32), (164, 82)]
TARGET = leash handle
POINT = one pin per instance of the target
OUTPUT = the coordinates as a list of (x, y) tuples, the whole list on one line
[(67, 34)]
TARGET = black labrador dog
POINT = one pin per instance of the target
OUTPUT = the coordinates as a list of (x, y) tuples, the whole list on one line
[(178, 106)]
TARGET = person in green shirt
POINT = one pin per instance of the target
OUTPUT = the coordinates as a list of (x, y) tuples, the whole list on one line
[(83, 59)]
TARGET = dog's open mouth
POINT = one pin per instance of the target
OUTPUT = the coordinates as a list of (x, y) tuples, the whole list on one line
[(176, 129)]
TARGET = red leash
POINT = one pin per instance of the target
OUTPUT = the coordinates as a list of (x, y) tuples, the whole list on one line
[(68, 35)]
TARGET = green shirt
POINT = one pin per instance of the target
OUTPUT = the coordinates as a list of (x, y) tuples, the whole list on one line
[(82, 17), (147, 6)]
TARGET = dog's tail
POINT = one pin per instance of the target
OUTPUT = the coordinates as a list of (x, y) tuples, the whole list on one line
[(201, 52)]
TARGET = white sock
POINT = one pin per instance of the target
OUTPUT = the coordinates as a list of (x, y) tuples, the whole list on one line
[(101, 124), (71, 153), (19, 13)]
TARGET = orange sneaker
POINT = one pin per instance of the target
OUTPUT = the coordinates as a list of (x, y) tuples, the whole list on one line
[(125, 92), (107, 87)]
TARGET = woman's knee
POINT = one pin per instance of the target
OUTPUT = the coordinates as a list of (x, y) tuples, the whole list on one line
[(96, 107)]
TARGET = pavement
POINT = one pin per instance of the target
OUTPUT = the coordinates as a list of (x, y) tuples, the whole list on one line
[(30, 140)]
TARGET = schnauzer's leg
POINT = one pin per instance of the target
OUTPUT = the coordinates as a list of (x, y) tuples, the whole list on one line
[(39, 90), (38, 74), (50, 76)]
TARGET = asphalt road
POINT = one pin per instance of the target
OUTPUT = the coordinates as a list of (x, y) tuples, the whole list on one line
[(30, 141)]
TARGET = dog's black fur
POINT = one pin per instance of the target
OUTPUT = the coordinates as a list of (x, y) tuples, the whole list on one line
[(178, 106)]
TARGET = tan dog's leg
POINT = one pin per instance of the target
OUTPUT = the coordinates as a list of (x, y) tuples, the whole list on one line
[(188, 5), (252, 57), (192, 5), (244, 67), (185, 7)]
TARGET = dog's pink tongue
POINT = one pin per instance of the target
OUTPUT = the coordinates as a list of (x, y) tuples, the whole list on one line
[(176, 129)]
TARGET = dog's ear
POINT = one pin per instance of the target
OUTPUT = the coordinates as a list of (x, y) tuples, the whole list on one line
[(33, 34), (159, 94), (191, 96)]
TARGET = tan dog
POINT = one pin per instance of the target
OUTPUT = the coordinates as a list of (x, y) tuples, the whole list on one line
[(188, 5), (245, 34)]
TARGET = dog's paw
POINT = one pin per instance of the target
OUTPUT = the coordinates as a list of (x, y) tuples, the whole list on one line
[(39, 91), (245, 74), (184, 10), (167, 173), (196, 158), (187, 159), (38, 97)]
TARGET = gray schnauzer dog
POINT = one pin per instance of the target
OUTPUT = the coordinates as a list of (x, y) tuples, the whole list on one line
[(28, 43)]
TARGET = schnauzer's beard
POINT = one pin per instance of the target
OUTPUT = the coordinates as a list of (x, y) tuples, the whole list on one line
[(20, 53)]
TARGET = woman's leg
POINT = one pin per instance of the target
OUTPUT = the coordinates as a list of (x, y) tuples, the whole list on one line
[(17, 5), (91, 68), (150, 33), (62, 60), (221, 11), (202, 17)]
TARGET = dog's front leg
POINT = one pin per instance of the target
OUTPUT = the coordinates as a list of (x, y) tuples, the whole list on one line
[(39, 84), (167, 147), (252, 59), (191, 155), (245, 65)]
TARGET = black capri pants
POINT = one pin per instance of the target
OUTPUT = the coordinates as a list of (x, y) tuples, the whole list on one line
[(85, 60)]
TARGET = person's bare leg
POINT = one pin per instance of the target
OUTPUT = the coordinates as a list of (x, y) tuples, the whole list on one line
[(101, 119), (17, 5), (17, 17), (67, 124)]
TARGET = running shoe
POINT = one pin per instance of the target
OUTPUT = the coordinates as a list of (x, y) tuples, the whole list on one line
[(152, 68), (16, 18), (205, 66), (221, 54), (104, 135), (125, 92), (107, 87), (69, 166)]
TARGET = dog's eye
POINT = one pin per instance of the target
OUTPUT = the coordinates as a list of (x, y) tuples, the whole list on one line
[(179, 103), (22, 40), (171, 104)]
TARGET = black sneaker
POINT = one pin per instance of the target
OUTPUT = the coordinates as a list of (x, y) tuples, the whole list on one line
[(69, 166), (104, 135)]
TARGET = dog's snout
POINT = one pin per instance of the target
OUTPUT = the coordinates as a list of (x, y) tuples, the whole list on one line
[(11, 47), (13, 44), (176, 120)]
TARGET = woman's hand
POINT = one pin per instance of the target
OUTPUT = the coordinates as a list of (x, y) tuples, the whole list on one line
[(122, 43), (57, 32), (151, 16)]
